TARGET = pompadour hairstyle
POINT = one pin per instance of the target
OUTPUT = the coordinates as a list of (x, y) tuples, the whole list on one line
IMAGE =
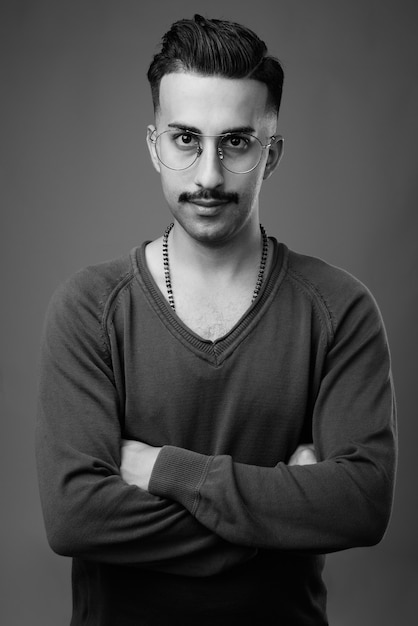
[(216, 48)]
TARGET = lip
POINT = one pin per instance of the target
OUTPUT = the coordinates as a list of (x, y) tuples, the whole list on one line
[(209, 203)]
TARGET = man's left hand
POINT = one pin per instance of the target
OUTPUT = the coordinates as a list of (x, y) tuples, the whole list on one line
[(303, 455), (137, 462)]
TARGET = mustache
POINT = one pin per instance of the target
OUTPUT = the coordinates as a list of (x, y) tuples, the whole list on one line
[(209, 194)]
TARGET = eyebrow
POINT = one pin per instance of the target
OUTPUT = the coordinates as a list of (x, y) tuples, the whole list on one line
[(193, 129)]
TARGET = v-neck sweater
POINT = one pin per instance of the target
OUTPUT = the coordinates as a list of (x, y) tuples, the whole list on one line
[(228, 531)]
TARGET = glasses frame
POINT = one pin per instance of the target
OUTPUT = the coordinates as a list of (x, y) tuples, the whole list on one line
[(199, 150)]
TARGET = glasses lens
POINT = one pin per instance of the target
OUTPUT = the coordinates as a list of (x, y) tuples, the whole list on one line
[(240, 153), (177, 149)]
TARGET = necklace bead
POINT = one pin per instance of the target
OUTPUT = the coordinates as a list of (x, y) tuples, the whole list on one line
[(166, 264)]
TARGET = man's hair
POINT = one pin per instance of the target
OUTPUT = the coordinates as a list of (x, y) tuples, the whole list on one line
[(216, 48)]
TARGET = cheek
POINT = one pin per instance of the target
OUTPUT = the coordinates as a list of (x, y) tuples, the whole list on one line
[(252, 186), (171, 185)]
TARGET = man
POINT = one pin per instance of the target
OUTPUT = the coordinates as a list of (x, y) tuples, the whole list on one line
[(216, 412)]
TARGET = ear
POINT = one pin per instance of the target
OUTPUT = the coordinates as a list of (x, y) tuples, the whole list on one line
[(151, 132), (274, 156)]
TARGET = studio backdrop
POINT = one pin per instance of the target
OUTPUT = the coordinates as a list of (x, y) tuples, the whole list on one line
[(77, 187)]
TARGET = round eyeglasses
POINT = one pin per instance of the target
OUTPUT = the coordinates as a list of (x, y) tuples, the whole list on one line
[(238, 152)]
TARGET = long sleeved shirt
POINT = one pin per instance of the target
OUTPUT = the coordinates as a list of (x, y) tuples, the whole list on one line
[(228, 531)]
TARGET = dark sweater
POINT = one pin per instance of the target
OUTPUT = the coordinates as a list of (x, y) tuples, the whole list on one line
[(229, 534)]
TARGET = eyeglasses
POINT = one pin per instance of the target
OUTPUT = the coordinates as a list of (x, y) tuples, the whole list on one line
[(238, 152)]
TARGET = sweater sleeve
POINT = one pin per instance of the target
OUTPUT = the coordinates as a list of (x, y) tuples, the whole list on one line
[(342, 501), (89, 511)]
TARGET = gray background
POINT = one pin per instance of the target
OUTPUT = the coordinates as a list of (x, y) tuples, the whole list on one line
[(77, 188)]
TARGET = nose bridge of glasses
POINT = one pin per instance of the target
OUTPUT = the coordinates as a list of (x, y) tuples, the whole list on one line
[(210, 147)]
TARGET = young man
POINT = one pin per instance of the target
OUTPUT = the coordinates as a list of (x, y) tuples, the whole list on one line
[(216, 412)]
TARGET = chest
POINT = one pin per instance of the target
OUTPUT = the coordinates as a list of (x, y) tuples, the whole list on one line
[(212, 316)]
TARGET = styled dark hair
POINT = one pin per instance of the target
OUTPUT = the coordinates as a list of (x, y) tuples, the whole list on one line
[(216, 48)]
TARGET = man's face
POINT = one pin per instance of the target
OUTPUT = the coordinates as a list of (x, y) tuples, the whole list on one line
[(212, 204)]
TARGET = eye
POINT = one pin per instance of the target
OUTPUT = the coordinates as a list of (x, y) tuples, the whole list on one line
[(236, 142), (185, 140)]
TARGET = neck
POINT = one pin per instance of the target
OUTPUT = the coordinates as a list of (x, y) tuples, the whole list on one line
[(215, 281)]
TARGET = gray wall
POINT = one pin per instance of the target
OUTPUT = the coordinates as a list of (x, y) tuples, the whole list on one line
[(77, 188)]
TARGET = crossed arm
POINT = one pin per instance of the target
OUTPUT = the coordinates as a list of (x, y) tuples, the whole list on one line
[(138, 460), (304, 505)]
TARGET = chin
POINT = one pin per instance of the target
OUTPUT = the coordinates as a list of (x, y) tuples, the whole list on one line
[(211, 232)]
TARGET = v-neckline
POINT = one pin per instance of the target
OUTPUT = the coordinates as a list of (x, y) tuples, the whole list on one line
[(218, 350)]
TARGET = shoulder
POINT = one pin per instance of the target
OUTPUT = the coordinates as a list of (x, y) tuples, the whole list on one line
[(336, 293), (326, 280), (95, 283), (83, 301)]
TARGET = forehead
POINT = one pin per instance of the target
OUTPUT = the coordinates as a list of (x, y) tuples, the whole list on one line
[(213, 104)]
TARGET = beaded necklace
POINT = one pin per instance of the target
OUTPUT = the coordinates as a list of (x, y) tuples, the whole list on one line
[(167, 275)]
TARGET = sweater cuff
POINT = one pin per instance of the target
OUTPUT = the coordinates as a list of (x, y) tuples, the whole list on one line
[(178, 475)]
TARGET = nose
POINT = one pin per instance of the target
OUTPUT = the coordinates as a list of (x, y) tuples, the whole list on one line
[(209, 172)]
